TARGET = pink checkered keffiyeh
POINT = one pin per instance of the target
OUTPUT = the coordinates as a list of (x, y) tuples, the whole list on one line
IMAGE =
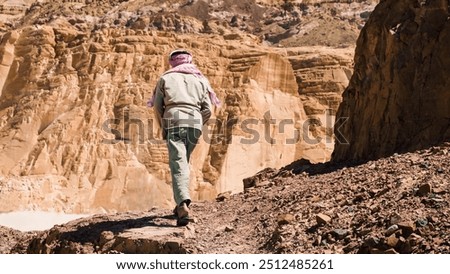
[(182, 63)]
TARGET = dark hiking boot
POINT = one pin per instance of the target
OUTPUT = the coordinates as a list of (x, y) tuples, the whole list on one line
[(175, 210), (182, 213)]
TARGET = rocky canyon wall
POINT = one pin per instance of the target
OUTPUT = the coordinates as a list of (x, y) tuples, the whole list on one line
[(76, 135), (399, 96)]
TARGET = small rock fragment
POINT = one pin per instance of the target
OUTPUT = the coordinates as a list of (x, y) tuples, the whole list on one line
[(422, 222), (395, 219), (392, 241), (371, 241), (229, 228), (433, 219), (322, 219), (223, 196), (263, 183), (318, 241), (424, 190), (438, 241), (391, 230), (285, 219), (414, 159), (340, 233), (414, 239), (407, 228), (350, 247)]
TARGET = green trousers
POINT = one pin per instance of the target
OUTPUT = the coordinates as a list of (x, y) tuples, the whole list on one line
[(181, 141)]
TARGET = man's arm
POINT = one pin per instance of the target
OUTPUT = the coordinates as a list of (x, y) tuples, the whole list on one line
[(206, 106), (159, 104)]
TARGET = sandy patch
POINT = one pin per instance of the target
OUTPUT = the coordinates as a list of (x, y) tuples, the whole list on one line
[(35, 220)]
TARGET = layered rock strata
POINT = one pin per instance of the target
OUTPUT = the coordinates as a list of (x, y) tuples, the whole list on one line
[(77, 136)]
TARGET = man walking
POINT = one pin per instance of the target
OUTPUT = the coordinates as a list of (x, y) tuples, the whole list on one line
[(183, 101)]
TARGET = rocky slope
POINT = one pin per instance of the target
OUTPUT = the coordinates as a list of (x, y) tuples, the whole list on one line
[(393, 205), (75, 133), (287, 23), (399, 96)]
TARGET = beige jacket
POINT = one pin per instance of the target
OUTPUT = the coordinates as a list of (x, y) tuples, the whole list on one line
[(182, 100)]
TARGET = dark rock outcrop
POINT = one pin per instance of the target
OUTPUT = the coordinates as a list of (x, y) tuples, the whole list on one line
[(399, 96)]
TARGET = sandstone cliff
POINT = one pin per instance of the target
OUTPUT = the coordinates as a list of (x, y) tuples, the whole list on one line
[(399, 96), (76, 135)]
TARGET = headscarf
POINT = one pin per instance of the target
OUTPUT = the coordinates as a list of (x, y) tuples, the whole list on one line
[(181, 62)]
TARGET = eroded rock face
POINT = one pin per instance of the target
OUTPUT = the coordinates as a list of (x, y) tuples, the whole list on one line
[(75, 132), (77, 136), (399, 96)]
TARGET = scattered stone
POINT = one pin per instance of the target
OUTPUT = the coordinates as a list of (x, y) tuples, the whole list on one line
[(363, 232), (407, 228), (339, 197), (422, 222), (438, 241), (414, 239), (433, 219), (223, 196), (260, 176), (395, 219), (391, 230), (424, 190), (340, 233), (350, 247), (379, 192), (322, 219), (425, 164), (405, 248), (372, 241), (439, 190), (318, 241), (264, 183), (374, 208), (392, 241), (229, 228), (189, 232), (359, 198), (285, 219), (414, 159)]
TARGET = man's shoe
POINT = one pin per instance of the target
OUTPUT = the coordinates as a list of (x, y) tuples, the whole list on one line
[(182, 214)]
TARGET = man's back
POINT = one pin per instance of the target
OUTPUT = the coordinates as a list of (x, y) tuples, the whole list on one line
[(182, 100)]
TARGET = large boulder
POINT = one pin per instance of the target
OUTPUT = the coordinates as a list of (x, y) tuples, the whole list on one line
[(398, 98)]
